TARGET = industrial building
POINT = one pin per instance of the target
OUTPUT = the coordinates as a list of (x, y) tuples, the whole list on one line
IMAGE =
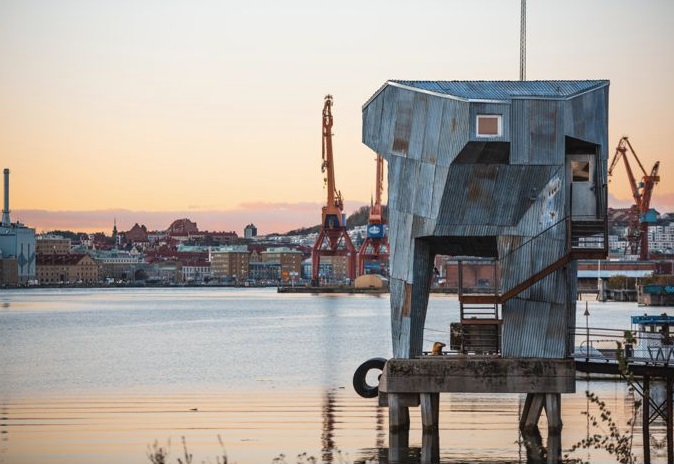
[(17, 246)]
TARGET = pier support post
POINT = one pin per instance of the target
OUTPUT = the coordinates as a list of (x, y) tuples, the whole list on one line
[(430, 447), (430, 411), (553, 411), (534, 405), (398, 414)]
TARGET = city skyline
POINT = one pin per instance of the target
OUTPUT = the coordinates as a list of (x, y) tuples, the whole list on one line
[(151, 111)]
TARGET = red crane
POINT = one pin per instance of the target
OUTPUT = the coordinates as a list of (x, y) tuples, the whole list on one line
[(333, 239), (640, 212), (375, 247)]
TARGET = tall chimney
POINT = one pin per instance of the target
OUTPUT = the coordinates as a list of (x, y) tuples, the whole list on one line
[(6, 222)]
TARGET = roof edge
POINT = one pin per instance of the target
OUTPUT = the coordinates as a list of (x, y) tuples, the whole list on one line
[(600, 83)]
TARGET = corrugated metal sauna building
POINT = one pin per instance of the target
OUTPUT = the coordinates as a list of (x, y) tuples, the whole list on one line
[(514, 171)]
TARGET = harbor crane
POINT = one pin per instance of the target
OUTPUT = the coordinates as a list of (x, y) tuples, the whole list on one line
[(375, 247), (333, 239), (640, 213)]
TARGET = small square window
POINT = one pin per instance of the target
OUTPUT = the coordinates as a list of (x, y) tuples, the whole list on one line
[(489, 125), (580, 171)]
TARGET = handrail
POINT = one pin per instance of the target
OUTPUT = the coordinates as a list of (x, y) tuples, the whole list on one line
[(520, 286)]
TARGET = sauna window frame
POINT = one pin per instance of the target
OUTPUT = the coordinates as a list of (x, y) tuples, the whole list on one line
[(491, 130)]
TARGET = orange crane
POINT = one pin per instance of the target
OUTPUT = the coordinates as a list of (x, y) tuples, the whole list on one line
[(640, 212), (375, 247), (333, 239)]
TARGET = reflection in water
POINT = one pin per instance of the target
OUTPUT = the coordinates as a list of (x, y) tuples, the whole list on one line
[(327, 436), (4, 434), (97, 375)]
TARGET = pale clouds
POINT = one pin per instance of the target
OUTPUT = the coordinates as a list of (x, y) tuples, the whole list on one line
[(267, 217)]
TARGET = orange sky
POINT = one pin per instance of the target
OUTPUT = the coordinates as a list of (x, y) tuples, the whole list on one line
[(147, 111)]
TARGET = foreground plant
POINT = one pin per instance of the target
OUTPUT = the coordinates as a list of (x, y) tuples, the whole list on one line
[(612, 439), (160, 455)]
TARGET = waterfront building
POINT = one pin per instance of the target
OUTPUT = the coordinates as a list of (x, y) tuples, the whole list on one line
[(67, 268), (46, 244), (17, 244), (230, 262), (118, 264), (289, 260), (9, 269), (262, 272), (195, 271)]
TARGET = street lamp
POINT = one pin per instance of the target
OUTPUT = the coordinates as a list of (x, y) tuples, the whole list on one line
[(587, 333)]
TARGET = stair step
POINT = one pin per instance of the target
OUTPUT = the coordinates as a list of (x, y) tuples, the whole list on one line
[(481, 299)]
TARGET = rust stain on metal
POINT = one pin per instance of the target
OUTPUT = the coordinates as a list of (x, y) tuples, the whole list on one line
[(407, 305)]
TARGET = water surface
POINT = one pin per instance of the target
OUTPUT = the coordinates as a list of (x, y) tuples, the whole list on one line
[(98, 375)]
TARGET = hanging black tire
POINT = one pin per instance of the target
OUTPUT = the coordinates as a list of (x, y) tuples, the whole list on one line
[(360, 377)]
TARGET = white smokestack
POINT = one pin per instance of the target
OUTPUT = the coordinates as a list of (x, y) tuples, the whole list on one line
[(6, 222)]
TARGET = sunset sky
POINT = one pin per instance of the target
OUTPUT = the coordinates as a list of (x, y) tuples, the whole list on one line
[(151, 110)]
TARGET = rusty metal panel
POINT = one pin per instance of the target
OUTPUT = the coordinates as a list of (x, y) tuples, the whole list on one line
[(432, 131), (394, 175), (403, 125), (531, 329), (410, 182), (389, 117), (419, 117), (454, 130), (399, 239), (423, 191), (439, 182), (474, 192), (537, 132), (547, 201)]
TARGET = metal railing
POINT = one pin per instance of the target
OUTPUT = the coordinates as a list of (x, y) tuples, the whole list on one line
[(602, 345)]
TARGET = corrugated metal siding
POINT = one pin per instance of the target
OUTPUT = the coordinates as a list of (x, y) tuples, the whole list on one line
[(531, 329), (537, 135), (423, 268), (403, 125), (490, 108), (504, 90), (419, 117), (454, 131), (500, 195), (432, 131), (420, 134)]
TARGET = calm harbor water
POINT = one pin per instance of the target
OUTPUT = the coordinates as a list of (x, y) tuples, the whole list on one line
[(98, 375)]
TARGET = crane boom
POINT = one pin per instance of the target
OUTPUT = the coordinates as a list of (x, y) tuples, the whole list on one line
[(332, 211), (376, 213), (642, 193)]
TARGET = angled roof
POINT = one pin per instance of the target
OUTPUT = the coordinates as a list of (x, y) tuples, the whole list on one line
[(498, 91)]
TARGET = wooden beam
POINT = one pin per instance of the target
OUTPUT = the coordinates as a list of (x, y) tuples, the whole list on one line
[(478, 374)]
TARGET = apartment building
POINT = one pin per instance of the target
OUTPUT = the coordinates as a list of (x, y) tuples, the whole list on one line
[(289, 261), (230, 262)]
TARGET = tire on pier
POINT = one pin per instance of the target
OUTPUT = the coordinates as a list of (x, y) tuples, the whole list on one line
[(360, 377)]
